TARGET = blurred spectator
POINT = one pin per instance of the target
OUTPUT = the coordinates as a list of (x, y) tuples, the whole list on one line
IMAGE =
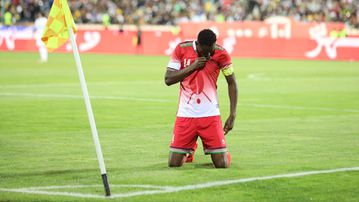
[(8, 19), (172, 12)]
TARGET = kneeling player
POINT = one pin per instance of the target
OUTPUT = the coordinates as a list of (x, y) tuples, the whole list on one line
[(196, 65)]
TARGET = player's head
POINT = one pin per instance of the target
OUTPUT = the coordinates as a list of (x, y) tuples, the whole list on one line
[(206, 40), (40, 14)]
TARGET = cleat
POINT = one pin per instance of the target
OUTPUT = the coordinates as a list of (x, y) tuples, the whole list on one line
[(190, 157)]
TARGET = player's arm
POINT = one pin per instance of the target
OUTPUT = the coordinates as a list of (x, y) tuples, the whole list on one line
[(174, 76), (233, 94)]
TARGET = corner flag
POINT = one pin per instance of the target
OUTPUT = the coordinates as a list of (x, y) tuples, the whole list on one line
[(56, 31), (60, 27)]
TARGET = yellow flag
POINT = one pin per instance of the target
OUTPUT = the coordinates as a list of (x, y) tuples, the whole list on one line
[(56, 31)]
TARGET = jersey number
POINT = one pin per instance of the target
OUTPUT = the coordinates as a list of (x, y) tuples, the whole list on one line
[(186, 62)]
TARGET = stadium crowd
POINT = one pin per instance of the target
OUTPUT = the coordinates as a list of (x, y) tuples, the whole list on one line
[(172, 12)]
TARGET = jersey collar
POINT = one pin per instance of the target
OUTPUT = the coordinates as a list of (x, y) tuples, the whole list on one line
[(194, 46)]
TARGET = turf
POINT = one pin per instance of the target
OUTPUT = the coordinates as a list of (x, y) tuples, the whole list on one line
[(293, 116)]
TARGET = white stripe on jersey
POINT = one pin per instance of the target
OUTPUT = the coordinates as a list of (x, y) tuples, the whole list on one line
[(174, 65)]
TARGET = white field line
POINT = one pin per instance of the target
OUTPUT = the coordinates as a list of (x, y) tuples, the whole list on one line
[(39, 95), (168, 189), (40, 190), (52, 193), (145, 186)]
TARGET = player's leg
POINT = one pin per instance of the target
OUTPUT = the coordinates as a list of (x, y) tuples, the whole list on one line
[(176, 159), (43, 53), (211, 133), (42, 48), (221, 160), (183, 141)]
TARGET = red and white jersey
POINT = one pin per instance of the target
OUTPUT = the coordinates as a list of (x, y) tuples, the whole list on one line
[(198, 92)]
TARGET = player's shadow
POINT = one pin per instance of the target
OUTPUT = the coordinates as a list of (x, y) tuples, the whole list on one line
[(152, 167), (186, 166), (204, 165), (164, 166)]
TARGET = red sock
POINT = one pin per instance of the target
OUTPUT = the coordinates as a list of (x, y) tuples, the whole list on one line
[(228, 159), (190, 157)]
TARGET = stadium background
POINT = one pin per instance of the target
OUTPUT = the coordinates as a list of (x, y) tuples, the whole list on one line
[(296, 113), (300, 29)]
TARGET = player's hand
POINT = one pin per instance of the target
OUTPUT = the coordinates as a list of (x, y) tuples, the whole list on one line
[(229, 124), (199, 63)]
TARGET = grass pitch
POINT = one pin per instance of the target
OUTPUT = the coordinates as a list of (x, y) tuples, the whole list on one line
[(293, 116)]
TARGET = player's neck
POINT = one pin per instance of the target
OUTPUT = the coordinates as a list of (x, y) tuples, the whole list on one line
[(198, 49)]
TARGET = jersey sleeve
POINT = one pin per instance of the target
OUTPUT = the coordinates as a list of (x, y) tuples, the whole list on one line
[(175, 61), (224, 60), (225, 64)]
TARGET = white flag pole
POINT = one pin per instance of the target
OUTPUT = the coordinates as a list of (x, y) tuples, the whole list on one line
[(89, 112)]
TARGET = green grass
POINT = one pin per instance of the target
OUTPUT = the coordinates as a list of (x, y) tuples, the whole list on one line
[(293, 116)]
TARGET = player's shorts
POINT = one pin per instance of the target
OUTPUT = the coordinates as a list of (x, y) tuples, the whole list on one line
[(187, 130)]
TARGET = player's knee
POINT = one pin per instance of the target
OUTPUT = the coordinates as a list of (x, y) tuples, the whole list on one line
[(221, 165), (221, 160), (174, 164), (176, 160)]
